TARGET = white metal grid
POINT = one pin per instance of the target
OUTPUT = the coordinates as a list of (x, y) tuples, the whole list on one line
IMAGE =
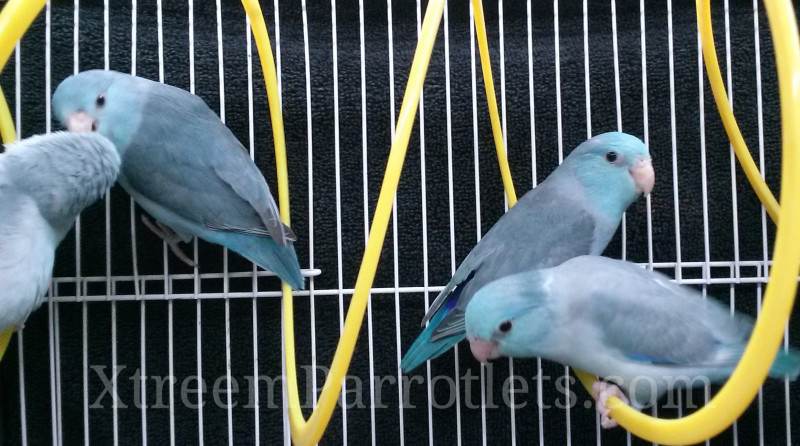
[(146, 286)]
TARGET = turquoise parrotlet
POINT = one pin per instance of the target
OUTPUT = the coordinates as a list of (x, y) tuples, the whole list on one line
[(576, 210), (633, 327), (45, 182), (182, 165)]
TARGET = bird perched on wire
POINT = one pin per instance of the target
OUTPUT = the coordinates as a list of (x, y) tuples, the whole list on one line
[(183, 166), (634, 327), (575, 211), (45, 182)]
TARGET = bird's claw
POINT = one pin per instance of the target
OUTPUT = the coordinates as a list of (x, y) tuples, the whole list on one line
[(601, 392), (170, 238), (173, 246)]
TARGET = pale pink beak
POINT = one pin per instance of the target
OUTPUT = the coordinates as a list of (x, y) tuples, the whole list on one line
[(80, 122), (643, 175), (483, 350)]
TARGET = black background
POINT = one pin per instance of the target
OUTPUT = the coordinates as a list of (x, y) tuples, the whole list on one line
[(685, 140)]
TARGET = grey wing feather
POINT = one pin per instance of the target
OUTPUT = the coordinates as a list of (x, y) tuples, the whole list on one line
[(644, 315), (548, 226), (262, 202), (452, 325), (470, 264), (212, 181)]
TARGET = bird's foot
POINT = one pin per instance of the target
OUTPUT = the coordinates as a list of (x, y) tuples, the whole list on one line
[(601, 392), (170, 237)]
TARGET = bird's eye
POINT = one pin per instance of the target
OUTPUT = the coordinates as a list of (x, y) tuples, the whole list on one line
[(505, 327), (611, 156), (101, 100)]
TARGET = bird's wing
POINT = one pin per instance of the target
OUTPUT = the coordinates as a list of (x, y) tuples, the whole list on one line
[(543, 230), (646, 318), (184, 158), (261, 201), (464, 272), (26, 253)]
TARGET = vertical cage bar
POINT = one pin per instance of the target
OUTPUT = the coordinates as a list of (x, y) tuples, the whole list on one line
[(534, 182), (675, 180), (52, 314), (734, 194), (588, 106), (365, 185), (225, 263), (337, 167), (586, 76), (674, 141), (476, 158), (287, 438), (559, 124), (646, 118), (254, 283), (395, 247), (764, 231), (23, 416), (309, 136), (165, 256), (135, 259), (451, 199), (75, 64), (196, 272), (704, 180), (618, 108), (502, 51), (424, 199)]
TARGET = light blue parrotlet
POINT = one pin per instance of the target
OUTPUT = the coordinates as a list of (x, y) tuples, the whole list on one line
[(633, 327), (45, 182), (575, 211), (182, 165)]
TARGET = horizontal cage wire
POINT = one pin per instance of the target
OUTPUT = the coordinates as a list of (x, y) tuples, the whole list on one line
[(136, 347)]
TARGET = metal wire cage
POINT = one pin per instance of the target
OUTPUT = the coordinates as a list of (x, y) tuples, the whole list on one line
[(135, 347)]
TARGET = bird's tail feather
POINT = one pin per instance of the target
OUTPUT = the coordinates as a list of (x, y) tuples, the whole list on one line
[(423, 349), (786, 364), (263, 251)]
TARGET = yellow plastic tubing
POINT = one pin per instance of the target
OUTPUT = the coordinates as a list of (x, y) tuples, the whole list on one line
[(309, 432), (726, 112), (491, 99), (15, 18), (742, 386)]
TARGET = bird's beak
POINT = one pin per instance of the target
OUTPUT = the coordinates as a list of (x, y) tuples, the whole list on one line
[(81, 122), (643, 175), (483, 350)]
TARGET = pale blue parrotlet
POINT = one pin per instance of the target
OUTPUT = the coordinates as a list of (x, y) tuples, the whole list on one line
[(633, 327), (45, 182), (575, 211), (182, 165)]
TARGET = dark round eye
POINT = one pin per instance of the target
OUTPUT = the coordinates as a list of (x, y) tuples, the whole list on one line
[(611, 156), (505, 327), (101, 100)]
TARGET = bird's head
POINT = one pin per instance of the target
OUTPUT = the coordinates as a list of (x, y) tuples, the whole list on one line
[(508, 316), (614, 169), (93, 101)]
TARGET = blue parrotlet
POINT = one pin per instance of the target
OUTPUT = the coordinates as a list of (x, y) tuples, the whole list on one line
[(635, 328), (45, 182), (182, 165), (575, 211)]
